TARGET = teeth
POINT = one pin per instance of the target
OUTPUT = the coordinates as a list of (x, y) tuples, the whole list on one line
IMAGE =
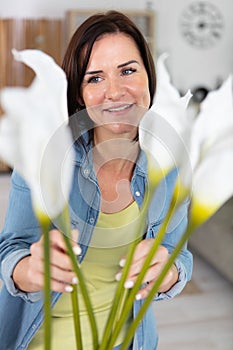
[(117, 109)]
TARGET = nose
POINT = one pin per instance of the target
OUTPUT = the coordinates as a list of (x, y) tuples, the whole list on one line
[(114, 89)]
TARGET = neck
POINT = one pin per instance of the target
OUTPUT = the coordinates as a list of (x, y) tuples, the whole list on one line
[(116, 153)]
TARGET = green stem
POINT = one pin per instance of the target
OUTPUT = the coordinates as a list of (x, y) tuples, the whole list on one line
[(131, 298), (120, 296), (76, 318), (64, 225), (155, 288), (47, 294), (121, 306)]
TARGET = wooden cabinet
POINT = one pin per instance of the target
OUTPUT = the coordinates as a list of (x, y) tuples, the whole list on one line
[(20, 33), (145, 20)]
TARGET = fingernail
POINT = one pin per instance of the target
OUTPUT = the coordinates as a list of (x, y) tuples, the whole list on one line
[(118, 276), (138, 296), (74, 280), (129, 284), (122, 262), (68, 288), (77, 250)]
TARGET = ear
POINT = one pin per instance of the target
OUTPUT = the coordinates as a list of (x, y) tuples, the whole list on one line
[(80, 101)]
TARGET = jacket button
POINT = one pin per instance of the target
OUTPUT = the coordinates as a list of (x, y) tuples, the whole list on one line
[(137, 193), (92, 220)]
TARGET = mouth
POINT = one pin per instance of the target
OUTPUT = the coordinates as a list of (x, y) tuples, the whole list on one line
[(120, 108)]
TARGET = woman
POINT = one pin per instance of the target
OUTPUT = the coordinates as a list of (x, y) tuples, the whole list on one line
[(111, 83)]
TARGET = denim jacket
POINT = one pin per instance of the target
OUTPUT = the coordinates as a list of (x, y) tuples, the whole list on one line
[(21, 313)]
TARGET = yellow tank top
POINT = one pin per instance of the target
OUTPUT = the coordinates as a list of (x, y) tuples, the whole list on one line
[(110, 242)]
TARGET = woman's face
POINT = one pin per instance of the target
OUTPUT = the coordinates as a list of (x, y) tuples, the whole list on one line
[(115, 87)]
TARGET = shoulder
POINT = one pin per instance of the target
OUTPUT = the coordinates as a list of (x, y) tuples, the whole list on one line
[(18, 181)]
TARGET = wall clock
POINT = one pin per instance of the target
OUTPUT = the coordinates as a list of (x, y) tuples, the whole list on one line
[(201, 24)]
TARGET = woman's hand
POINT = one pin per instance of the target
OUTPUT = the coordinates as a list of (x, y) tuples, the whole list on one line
[(156, 266), (28, 274)]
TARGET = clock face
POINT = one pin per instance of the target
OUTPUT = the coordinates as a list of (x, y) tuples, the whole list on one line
[(201, 24)]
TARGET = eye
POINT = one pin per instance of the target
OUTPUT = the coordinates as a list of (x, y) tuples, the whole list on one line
[(128, 71), (94, 80)]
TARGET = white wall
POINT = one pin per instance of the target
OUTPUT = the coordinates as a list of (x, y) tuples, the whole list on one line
[(192, 66), (57, 8), (189, 66)]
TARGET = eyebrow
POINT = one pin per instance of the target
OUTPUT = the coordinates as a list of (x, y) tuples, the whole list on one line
[(119, 66), (127, 63)]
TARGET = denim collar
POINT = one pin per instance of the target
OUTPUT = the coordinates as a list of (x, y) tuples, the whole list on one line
[(83, 158)]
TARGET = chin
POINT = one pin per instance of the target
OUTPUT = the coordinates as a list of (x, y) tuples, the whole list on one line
[(119, 128)]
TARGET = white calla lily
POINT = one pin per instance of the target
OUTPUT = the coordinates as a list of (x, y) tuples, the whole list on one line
[(214, 119), (211, 155), (212, 182), (167, 100), (197, 147), (164, 131), (210, 127), (34, 136), (49, 83)]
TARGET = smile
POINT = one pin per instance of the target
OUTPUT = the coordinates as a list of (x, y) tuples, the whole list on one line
[(119, 109)]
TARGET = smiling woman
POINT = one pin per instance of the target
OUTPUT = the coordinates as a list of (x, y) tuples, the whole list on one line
[(111, 84)]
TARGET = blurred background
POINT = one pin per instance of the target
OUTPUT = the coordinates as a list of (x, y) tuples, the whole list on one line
[(197, 35)]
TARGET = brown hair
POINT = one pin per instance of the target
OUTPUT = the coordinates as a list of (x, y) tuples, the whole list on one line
[(79, 50), (78, 54)]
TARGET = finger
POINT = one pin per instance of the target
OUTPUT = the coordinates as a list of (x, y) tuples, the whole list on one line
[(59, 275), (57, 240), (163, 287), (139, 256), (37, 279), (56, 272), (61, 287), (60, 259), (36, 250), (60, 280), (74, 235), (141, 251), (151, 274), (170, 279), (57, 245), (144, 292), (159, 259)]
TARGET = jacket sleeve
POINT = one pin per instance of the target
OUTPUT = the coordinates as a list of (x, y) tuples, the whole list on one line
[(184, 261), (20, 230), (176, 228)]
